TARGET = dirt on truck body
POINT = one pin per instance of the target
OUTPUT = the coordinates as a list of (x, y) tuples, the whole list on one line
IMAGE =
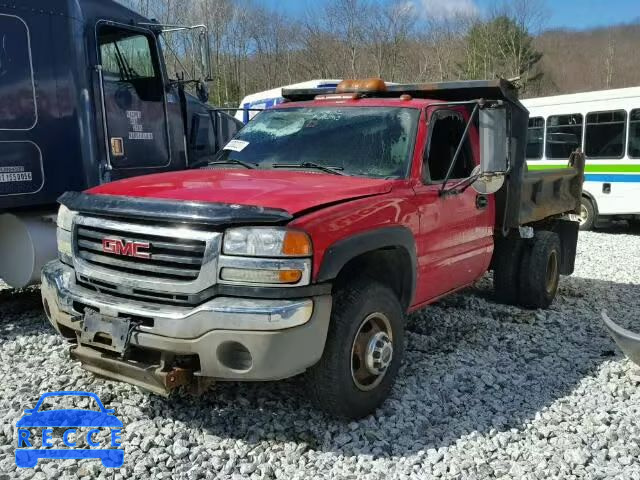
[(302, 245)]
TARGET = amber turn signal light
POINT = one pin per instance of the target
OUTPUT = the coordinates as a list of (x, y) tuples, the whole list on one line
[(290, 276), (296, 244)]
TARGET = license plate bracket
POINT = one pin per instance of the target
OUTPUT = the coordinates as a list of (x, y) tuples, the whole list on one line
[(98, 329)]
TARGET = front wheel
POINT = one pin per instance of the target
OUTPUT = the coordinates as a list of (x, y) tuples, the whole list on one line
[(363, 352)]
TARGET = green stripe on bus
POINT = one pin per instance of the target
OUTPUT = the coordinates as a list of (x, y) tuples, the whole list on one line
[(608, 168)]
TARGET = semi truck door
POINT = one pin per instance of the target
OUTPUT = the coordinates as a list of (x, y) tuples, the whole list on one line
[(134, 102), (455, 243)]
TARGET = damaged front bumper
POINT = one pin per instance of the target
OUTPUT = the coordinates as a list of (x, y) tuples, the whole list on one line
[(225, 338), (628, 341)]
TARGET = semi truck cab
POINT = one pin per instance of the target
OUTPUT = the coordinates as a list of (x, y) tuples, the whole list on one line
[(304, 243), (86, 99)]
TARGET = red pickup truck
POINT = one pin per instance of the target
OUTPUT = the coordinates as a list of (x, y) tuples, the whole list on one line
[(303, 244)]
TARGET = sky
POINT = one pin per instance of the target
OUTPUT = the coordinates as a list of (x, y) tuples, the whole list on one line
[(573, 14)]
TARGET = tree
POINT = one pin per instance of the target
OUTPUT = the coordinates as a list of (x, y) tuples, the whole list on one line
[(500, 47)]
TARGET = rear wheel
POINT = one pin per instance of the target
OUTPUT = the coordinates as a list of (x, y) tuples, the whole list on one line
[(587, 214), (540, 271), (363, 352)]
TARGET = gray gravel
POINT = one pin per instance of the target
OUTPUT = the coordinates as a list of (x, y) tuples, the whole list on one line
[(487, 391)]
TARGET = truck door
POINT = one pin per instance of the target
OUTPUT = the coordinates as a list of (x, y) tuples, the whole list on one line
[(133, 97), (456, 231)]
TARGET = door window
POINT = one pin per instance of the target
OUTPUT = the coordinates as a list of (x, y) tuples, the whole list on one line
[(127, 58), (447, 128), (605, 134), (564, 135)]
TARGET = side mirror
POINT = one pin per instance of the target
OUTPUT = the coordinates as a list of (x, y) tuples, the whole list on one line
[(493, 140), (494, 155)]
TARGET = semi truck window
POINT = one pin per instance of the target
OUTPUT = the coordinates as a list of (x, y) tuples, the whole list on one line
[(535, 138), (203, 136), (605, 134), (447, 128), (634, 133), (128, 57), (18, 106), (564, 135)]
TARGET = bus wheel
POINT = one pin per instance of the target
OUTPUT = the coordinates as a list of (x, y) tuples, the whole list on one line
[(587, 214)]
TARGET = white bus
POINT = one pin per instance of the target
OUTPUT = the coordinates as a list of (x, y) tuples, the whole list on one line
[(269, 98), (606, 125)]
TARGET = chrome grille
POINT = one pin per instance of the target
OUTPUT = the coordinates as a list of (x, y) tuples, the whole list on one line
[(182, 260), (178, 259)]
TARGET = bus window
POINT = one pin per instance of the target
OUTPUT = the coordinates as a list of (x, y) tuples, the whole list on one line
[(564, 135), (605, 133), (634, 133), (535, 138)]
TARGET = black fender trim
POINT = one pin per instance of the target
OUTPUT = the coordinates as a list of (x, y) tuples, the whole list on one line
[(341, 252)]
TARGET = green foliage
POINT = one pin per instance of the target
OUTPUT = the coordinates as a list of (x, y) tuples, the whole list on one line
[(500, 48)]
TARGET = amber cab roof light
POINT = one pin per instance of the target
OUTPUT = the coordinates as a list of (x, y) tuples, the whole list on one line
[(367, 85)]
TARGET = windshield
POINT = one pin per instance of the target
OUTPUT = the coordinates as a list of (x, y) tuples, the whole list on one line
[(362, 141)]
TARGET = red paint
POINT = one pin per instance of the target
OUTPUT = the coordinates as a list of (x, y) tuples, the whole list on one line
[(126, 249), (454, 240), (293, 191)]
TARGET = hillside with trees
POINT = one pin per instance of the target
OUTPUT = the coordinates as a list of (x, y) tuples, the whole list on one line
[(254, 48)]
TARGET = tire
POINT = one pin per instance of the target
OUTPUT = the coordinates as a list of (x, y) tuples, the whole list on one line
[(540, 270), (506, 270), (332, 384), (588, 214)]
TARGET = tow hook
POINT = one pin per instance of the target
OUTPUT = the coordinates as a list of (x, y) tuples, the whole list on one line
[(183, 377), (178, 377)]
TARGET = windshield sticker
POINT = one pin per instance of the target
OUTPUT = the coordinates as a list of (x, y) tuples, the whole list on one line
[(236, 145)]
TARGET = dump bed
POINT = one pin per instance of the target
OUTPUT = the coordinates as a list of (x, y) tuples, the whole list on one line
[(546, 193)]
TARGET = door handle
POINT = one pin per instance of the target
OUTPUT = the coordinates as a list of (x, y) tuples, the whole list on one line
[(482, 202)]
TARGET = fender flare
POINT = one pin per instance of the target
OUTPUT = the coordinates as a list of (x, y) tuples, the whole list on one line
[(342, 251)]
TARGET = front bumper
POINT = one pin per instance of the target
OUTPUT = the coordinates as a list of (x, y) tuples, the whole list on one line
[(231, 338), (628, 341)]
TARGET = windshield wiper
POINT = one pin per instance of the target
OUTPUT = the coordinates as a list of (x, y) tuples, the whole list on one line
[(233, 161), (317, 166)]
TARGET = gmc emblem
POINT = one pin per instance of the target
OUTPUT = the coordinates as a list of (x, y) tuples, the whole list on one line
[(126, 249)]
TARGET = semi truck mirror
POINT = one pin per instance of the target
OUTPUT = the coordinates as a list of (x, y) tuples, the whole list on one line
[(205, 54), (493, 141)]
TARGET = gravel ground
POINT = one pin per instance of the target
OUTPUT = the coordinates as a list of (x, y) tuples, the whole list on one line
[(487, 391)]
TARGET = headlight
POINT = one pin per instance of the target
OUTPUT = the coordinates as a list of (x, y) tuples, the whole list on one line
[(64, 246), (65, 218), (267, 242)]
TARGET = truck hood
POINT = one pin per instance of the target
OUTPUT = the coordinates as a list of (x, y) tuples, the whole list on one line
[(292, 191)]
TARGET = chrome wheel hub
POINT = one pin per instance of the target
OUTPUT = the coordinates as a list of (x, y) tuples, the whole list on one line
[(379, 353), (584, 214), (371, 352)]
